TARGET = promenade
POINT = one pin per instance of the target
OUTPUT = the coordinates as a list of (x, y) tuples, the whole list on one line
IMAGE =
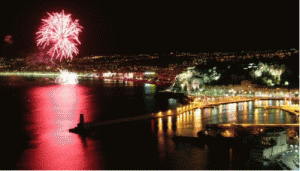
[(38, 74)]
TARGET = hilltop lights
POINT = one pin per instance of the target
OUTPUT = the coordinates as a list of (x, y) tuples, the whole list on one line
[(274, 72), (286, 83), (217, 77)]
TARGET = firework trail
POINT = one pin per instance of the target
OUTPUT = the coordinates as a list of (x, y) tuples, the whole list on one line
[(60, 34)]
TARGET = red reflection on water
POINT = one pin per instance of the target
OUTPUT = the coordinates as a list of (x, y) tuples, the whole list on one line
[(54, 110), (59, 109), (152, 126)]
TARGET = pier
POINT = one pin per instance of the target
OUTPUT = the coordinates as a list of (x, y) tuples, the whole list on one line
[(291, 108), (294, 109)]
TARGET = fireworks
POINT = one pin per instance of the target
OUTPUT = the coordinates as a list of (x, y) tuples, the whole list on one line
[(60, 34), (67, 77)]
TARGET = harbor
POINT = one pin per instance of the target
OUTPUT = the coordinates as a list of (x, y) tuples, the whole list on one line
[(159, 139), (247, 137), (83, 126), (192, 106)]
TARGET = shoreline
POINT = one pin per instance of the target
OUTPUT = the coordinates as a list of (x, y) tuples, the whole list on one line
[(85, 127)]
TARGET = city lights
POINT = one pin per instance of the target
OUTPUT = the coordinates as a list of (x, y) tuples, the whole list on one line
[(195, 85)]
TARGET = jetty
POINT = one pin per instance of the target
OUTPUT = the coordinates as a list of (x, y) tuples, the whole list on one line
[(291, 108)]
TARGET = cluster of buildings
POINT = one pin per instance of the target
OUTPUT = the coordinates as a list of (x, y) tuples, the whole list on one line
[(264, 147), (246, 88), (167, 66)]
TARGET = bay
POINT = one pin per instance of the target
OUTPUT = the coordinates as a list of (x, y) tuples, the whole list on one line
[(37, 115)]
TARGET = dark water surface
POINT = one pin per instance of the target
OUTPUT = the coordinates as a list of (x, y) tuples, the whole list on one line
[(37, 116)]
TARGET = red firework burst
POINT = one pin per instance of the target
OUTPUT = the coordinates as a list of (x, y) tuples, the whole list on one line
[(60, 34)]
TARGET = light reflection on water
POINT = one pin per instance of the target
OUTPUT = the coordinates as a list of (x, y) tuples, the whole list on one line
[(189, 123), (55, 109)]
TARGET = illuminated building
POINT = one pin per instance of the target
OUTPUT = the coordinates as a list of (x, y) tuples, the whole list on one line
[(272, 142)]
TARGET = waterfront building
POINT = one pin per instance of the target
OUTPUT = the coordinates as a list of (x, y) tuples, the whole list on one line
[(272, 142)]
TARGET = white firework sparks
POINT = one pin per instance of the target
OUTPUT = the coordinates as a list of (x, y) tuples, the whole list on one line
[(61, 34), (67, 77)]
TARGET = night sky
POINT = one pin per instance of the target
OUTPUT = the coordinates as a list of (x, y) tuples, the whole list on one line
[(148, 27)]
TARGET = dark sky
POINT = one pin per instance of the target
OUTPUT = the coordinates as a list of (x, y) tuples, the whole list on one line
[(160, 27)]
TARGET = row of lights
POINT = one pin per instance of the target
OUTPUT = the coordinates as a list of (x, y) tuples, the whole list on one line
[(187, 107), (179, 109)]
